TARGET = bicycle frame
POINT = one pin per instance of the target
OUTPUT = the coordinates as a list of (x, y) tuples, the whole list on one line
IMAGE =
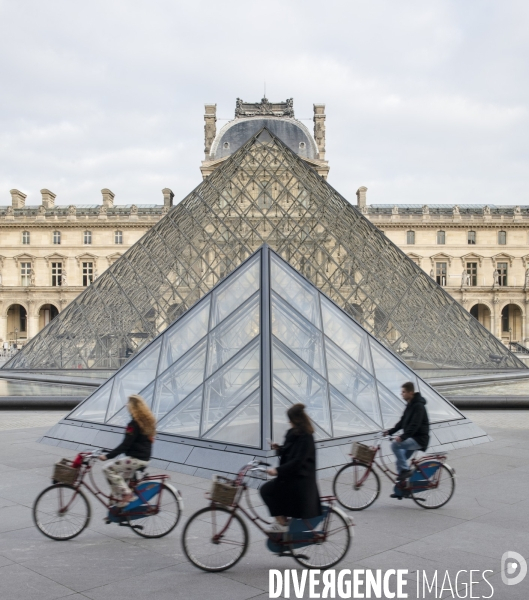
[(392, 475), (85, 470), (252, 515)]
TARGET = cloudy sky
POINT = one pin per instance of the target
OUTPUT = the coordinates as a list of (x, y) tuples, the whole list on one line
[(427, 101)]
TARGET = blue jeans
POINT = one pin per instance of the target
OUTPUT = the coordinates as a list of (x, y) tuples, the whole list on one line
[(403, 451)]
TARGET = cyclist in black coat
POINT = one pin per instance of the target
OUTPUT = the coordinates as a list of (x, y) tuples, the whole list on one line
[(415, 429), (294, 492)]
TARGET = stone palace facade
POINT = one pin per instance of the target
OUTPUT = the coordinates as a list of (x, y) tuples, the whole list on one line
[(49, 253)]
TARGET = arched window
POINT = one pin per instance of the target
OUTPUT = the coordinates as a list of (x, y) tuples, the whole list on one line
[(87, 237), (56, 237), (410, 237), (440, 237), (25, 238), (471, 237), (118, 237), (502, 238)]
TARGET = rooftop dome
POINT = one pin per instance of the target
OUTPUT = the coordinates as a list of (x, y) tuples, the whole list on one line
[(278, 118)]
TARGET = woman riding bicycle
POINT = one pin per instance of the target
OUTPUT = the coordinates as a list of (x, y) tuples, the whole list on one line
[(294, 492), (137, 446)]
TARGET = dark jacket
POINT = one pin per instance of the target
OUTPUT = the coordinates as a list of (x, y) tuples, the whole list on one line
[(294, 493), (135, 444), (414, 422)]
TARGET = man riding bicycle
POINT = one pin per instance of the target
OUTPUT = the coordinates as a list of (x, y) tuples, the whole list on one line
[(415, 430)]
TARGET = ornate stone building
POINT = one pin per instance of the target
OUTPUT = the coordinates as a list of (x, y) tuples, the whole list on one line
[(478, 253), (50, 253)]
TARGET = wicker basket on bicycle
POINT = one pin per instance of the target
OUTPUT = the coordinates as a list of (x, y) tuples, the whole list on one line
[(363, 453), (223, 491), (64, 472)]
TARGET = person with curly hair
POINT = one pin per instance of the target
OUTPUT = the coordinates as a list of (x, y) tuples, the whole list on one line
[(136, 446)]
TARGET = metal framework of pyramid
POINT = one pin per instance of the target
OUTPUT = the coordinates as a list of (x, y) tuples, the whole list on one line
[(264, 193), (221, 378)]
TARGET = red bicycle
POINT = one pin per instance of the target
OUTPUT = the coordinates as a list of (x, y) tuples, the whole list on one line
[(62, 511), (357, 485), (215, 538)]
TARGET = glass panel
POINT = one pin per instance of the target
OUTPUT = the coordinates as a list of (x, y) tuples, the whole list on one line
[(122, 417), (134, 377), (229, 386), (295, 290), (297, 334), (390, 371), (347, 419), (242, 425), (185, 418), (352, 381), (346, 333), (391, 406), (299, 383), (180, 380), (94, 408), (184, 334), (233, 334), (280, 424), (438, 408), (237, 289)]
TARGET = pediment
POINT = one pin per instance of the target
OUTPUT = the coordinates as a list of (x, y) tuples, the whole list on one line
[(24, 257), (86, 256), (55, 257), (441, 256), (472, 256), (503, 257)]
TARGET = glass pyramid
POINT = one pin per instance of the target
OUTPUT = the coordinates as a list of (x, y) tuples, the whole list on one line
[(264, 193), (262, 340)]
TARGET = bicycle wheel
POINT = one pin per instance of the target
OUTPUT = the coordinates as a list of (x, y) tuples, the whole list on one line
[(356, 486), (440, 495), (325, 554), (215, 539), (61, 512), (161, 523)]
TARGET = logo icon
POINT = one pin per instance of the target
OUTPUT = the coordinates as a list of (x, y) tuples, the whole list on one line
[(513, 568)]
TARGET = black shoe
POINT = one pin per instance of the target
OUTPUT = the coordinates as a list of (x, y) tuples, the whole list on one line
[(395, 496), (404, 474)]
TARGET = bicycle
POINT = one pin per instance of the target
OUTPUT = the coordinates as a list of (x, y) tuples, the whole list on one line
[(357, 485), (62, 511), (215, 538)]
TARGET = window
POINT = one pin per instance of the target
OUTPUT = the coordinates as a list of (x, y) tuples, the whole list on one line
[(25, 238), (410, 237), (501, 267), (56, 274), (25, 273), (87, 237), (440, 273), (88, 273), (505, 319), (118, 237), (471, 239), (56, 237), (502, 238), (440, 237), (472, 273)]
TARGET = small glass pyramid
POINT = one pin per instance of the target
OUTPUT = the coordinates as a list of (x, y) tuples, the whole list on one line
[(263, 339)]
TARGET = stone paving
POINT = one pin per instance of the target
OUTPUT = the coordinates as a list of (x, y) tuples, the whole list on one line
[(488, 515)]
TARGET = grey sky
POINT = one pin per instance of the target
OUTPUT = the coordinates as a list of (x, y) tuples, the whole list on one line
[(427, 101)]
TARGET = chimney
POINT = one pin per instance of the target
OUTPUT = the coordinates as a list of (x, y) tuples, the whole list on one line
[(319, 129), (108, 198), (18, 199), (210, 127), (361, 197), (167, 197), (48, 198)]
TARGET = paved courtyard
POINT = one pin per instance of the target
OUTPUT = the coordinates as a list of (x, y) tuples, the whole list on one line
[(488, 516)]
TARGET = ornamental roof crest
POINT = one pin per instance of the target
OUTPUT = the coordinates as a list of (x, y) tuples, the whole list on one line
[(264, 108)]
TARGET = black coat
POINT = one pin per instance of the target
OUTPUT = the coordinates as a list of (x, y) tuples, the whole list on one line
[(294, 493), (414, 422), (136, 444)]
